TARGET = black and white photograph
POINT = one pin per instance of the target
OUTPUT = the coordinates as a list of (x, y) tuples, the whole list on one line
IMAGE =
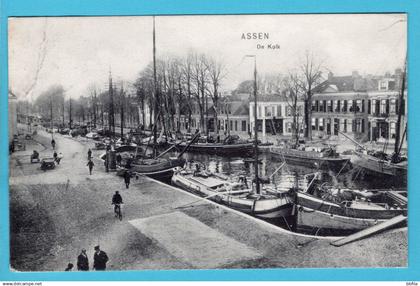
[(208, 142)]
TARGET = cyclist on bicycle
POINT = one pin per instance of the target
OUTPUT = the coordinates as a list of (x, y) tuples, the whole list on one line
[(117, 201)]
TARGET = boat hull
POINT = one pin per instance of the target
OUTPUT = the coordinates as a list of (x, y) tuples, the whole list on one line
[(379, 167), (264, 208), (242, 149), (308, 219), (310, 159), (313, 212), (161, 170)]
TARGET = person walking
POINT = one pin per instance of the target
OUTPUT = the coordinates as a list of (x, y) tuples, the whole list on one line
[(90, 164), (53, 143), (127, 178), (82, 261), (100, 258), (89, 154)]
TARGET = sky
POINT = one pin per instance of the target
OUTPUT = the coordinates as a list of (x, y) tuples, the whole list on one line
[(79, 52)]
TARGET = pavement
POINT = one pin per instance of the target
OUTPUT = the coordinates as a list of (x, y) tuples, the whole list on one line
[(56, 213)]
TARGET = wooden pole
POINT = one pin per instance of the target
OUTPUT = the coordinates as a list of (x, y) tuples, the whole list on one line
[(400, 108), (257, 180), (155, 91)]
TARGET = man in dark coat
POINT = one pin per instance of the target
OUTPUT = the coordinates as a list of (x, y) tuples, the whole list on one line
[(127, 178), (99, 259), (90, 164), (116, 201), (82, 261)]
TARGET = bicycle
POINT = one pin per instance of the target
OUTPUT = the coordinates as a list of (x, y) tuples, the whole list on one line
[(117, 211)]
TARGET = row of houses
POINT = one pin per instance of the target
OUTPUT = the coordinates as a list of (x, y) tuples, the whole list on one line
[(365, 108)]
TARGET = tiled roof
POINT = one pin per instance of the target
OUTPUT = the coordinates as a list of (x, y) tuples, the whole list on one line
[(346, 84), (242, 109)]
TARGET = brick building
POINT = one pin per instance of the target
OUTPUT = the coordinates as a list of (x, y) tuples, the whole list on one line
[(362, 107)]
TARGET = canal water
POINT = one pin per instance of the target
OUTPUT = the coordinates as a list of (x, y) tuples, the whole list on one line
[(234, 166), (289, 175)]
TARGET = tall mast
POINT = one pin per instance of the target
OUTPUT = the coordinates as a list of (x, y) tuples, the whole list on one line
[(257, 180), (155, 91), (94, 108), (63, 111), (51, 113), (70, 113), (400, 108), (122, 112), (111, 107)]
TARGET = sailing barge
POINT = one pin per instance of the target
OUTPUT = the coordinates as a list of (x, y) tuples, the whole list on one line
[(267, 204), (315, 157), (314, 212), (234, 149), (379, 166), (161, 168)]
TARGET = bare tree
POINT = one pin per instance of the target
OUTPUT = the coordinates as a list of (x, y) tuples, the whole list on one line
[(216, 73), (293, 92), (200, 76), (311, 70), (187, 77)]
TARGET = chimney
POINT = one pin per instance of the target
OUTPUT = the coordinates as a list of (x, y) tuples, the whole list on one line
[(330, 75)]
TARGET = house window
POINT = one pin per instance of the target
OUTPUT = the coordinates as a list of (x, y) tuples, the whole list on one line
[(344, 106), (288, 111), (383, 85), (392, 106), (392, 128), (231, 125), (316, 123), (358, 125), (321, 124), (363, 125), (243, 125), (313, 107), (359, 106), (325, 106), (382, 109), (278, 110), (268, 111), (345, 126), (289, 127), (335, 106), (330, 108), (369, 106), (317, 105), (236, 125), (351, 107), (313, 123)]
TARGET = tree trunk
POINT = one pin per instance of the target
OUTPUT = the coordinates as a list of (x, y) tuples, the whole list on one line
[(307, 120)]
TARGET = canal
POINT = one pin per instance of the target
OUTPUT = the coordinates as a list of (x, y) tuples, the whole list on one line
[(289, 175)]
